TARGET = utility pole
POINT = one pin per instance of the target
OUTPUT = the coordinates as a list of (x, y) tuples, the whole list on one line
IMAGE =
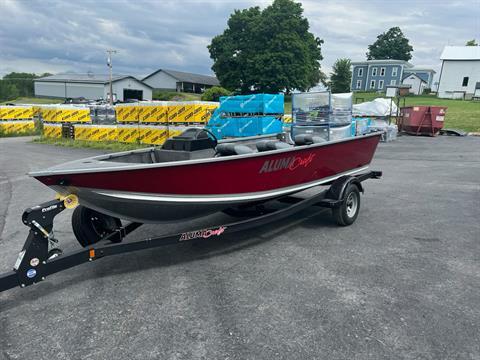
[(109, 64)]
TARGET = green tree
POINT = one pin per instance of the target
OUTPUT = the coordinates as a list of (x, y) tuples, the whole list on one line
[(471, 43), (214, 93), (267, 50), (390, 45), (341, 76)]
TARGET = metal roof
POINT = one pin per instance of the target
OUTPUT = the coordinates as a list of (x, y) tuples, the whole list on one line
[(460, 53), (419, 69), (380, 62), (188, 77), (413, 74), (87, 78)]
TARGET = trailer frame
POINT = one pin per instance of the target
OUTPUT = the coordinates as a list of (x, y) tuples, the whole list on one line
[(40, 256)]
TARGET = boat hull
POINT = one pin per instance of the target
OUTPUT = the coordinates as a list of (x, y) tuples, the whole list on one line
[(188, 189)]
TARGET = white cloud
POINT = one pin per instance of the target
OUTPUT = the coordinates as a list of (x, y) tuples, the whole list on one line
[(56, 36)]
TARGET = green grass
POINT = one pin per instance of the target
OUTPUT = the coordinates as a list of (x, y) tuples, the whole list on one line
[(17, 134), (100, 145), (33, 100), (174, 96)]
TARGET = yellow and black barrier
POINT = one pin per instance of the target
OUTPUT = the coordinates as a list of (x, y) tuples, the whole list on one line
[(16, 112), (18, 126)]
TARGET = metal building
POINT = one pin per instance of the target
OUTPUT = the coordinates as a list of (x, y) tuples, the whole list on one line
[(173, 80), (92, 87)]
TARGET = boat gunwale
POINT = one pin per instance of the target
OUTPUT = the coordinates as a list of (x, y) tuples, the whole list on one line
[(131, 167)]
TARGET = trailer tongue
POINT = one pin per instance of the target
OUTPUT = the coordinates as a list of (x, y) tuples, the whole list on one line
[(41, 256)]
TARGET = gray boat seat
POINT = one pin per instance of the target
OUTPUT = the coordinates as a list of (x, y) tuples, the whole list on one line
[(307, 139), (268, 145), (232, 149)]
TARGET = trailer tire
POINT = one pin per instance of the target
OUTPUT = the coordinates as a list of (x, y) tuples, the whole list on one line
[(347, 213), (90, 226)]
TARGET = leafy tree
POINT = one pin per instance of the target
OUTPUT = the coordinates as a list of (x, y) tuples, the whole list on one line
[(267, 50), (214, 93), (390, 45), (471, 43), (341, 76), (18, 84)]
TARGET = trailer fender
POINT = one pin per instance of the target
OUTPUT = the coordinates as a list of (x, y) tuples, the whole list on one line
[(337, 189)]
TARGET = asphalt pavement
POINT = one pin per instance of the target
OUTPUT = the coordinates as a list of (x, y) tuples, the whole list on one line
[(403, 282)]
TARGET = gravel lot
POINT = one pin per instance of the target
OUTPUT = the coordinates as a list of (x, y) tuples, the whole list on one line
[(403, 282)]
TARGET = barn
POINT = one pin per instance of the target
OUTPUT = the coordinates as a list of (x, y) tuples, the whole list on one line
[(173, 80), (460, 73), (92, 87)]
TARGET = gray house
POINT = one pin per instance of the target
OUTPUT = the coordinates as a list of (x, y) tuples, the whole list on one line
[(375, 75), (92, 87), (173, 80)]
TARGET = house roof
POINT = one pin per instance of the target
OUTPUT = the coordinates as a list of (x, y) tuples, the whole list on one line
[(87, 78), (188, 77), (420, 69), (460, 53), (413, 74), (381, 62)]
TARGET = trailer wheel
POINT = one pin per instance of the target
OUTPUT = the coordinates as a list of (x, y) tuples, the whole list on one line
[(347, 213), (90, 226)]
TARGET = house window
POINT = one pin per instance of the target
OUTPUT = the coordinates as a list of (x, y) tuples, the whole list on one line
[(360, 71), (393, 82), (465, 81), (372, 84), (380, 84), (382, 71), (394, 71), (359, 84), (374, 71)]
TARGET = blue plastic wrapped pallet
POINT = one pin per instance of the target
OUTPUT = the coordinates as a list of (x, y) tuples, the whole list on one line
[(253, 104)]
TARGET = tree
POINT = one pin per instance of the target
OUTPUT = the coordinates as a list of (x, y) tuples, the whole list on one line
[(390, 45), (268, 50), (16, 84), (341, 76), (471, 43)]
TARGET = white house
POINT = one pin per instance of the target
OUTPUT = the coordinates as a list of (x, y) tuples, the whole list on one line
[(92, 87), (417, 84), (460, 73)]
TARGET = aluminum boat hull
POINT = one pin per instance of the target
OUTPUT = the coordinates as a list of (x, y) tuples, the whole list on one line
[(179, 190)]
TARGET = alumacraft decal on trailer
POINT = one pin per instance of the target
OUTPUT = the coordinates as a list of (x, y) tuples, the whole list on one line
[(205, 234), (290, 163)]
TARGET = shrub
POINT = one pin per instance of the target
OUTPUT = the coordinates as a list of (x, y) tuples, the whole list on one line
[(214, 93)]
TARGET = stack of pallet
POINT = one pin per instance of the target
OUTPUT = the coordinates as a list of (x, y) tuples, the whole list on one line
[(143, 122), (16, 119)]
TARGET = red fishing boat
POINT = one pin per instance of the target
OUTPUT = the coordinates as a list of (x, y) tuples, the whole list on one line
[(192, 175)]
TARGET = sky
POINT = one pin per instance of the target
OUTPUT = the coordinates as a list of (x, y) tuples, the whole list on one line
[(72, 36)]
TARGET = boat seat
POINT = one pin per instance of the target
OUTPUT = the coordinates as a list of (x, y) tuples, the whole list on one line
[(233, 149), (268, 145), (307, 139)]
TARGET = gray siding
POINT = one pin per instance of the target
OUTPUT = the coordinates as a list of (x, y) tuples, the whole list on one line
[(162, 81), (69, 90)]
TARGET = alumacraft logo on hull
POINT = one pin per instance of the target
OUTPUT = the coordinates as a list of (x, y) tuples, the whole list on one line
[(290, 163), (202, 233)]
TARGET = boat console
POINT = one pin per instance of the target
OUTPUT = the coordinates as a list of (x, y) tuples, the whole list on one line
[(191, 140)]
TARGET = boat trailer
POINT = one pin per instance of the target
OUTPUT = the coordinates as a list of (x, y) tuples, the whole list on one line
[(40, 256)]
